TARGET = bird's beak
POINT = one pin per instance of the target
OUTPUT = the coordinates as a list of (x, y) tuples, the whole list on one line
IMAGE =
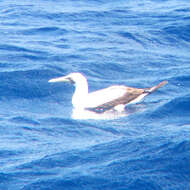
[(60, 79)]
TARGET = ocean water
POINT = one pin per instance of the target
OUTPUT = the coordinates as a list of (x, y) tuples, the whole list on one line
[(135, 43)]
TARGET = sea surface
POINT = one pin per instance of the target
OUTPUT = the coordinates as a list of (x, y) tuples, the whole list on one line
[(136, 43)]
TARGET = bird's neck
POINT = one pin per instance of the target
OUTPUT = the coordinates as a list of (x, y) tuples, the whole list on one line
[(81, 93)]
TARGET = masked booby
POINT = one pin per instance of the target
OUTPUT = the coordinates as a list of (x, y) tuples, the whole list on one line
[(114, 97)]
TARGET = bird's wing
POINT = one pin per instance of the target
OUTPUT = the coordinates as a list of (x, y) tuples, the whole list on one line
[(110, 97), (117, 95)]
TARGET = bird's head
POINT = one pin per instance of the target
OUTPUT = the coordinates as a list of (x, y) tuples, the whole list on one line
[(72, 78)]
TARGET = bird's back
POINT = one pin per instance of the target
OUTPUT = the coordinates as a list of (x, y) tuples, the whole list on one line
[(112, 96)]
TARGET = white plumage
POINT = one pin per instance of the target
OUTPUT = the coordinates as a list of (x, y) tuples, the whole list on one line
[(116, 96)]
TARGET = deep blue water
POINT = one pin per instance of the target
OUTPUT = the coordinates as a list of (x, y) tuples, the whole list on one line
[(136, 43)]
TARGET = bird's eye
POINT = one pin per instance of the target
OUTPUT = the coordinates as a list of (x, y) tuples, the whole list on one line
[(71, 80)]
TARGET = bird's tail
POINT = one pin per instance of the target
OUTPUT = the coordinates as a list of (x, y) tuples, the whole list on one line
[(152, 89)]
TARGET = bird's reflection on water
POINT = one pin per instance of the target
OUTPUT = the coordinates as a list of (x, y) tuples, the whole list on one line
[(108, 115)]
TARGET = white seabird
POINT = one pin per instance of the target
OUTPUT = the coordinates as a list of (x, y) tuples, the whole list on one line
[(111, 98)]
